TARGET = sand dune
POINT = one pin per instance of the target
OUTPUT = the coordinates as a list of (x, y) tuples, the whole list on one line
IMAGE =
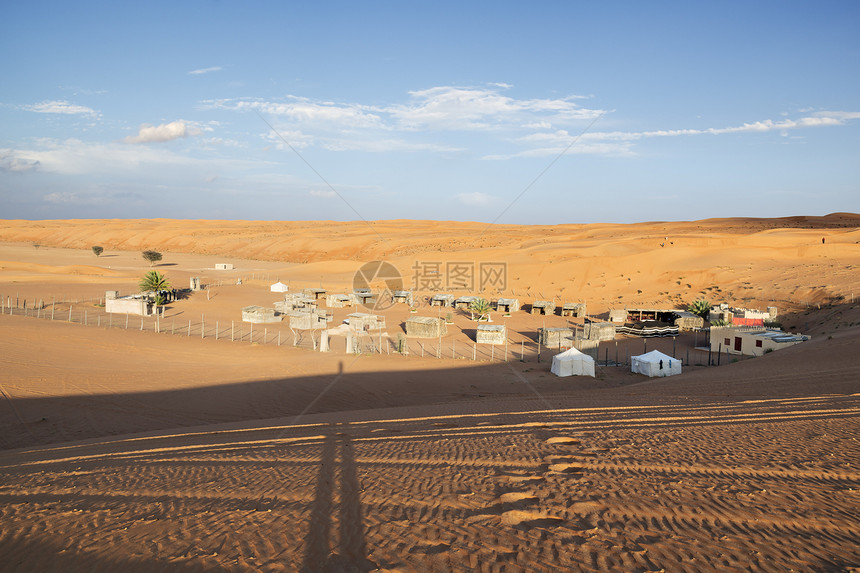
[(579, 261), (136, 450)]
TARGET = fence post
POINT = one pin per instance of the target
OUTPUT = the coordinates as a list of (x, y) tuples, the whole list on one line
[(189, 328), (474, 351), (202, 326), (216, 330), (70, 312), (126, 321), (232, 325)]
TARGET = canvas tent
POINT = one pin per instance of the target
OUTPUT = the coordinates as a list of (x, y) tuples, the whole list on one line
[(279, 287), (572, 363), (655, 363)]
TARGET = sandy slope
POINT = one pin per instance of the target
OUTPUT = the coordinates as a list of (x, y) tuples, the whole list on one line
[(750, 260), (141, 451)]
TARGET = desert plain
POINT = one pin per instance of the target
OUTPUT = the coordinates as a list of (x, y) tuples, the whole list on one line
[(141, 447)]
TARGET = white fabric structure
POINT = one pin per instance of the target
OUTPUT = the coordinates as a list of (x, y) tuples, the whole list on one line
[(572, 363), (655, 363), (279, 287)]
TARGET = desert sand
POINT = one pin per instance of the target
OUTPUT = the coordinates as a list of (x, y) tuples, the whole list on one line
[(127, 448)]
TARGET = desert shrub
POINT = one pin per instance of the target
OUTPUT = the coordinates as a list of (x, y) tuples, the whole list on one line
[(151, 256), (98, 250)]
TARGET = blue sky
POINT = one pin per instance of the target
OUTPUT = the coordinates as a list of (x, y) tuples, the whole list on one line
[(554, 112)]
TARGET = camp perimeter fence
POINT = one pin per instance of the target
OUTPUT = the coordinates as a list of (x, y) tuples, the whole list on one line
[(518, 346)]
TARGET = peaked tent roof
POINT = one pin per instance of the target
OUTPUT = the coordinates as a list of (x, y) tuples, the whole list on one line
[(655, 356), (571, 354)]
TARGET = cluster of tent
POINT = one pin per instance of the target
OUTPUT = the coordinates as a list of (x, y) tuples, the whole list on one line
[(574, 363)]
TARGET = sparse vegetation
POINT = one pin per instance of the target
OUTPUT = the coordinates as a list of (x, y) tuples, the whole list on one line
[(151, 256), (700, 307), (97, 251), (480, 307)]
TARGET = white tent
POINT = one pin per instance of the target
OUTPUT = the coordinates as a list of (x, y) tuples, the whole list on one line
[(655, 363), (279, 287), (572, 363)]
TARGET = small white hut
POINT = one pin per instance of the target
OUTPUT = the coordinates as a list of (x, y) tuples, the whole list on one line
[(491, 334), (259, 315), (279, 287), (507, 305), (365, 321), (543, 307), (426, 327)]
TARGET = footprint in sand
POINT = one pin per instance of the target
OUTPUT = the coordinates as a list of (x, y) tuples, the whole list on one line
[(563, 441), (564, 465), (566, 468), (518, 497), (528, 518)]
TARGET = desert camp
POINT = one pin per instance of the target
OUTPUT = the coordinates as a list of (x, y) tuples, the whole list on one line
[(293, 287)]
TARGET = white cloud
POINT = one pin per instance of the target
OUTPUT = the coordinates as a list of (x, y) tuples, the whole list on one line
[(439, 108), (383, 145), (61, 197), (202, 71), (475, 198), (457, 108), (59, 106), (305, 111), (10, 161), (76, 157), (164, 132), (538, 127)]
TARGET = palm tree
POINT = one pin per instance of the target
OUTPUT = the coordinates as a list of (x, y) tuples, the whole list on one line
[(700, 307), (155, 282), (481, 307)]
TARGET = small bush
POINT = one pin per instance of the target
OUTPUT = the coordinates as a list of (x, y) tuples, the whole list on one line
[(98, 250), (151, 256)]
